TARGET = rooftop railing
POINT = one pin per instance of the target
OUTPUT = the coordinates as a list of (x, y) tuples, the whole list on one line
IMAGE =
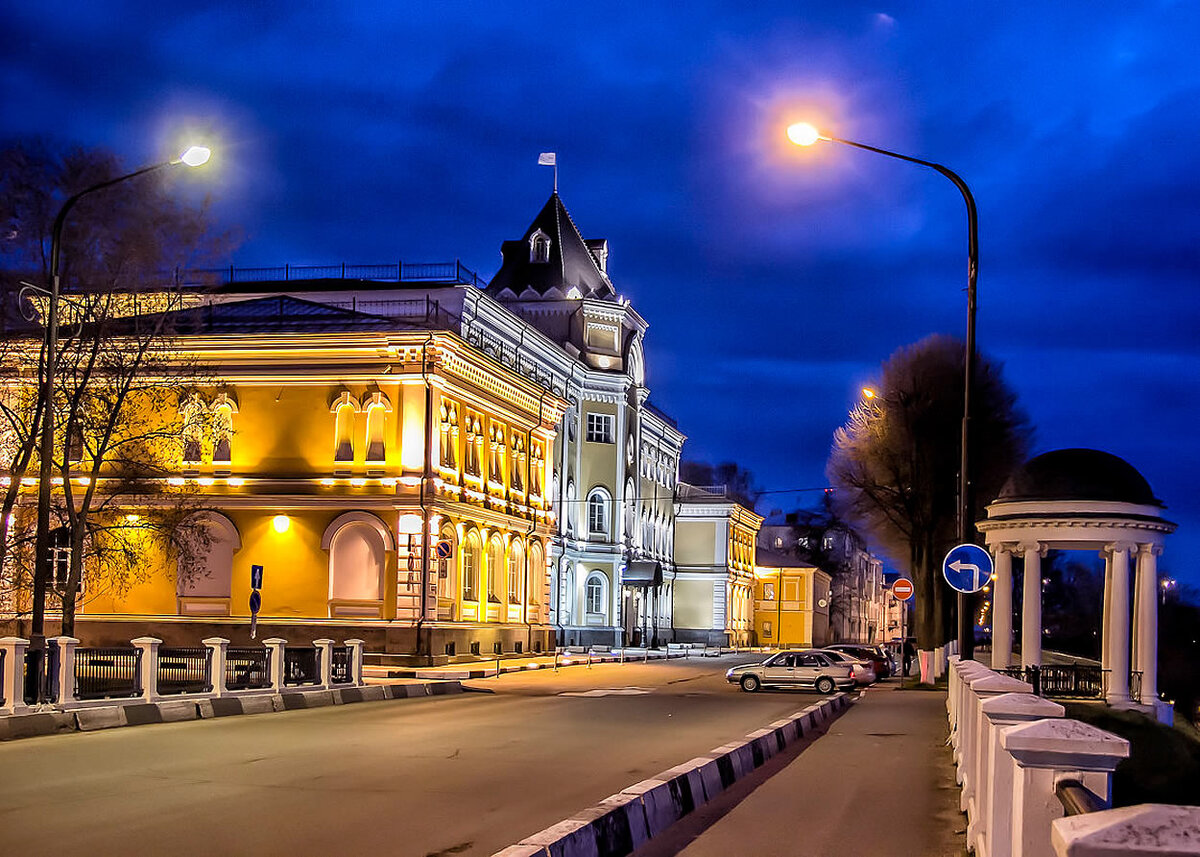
[(454, 273)]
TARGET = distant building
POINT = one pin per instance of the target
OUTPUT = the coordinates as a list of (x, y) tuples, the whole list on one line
[(791, 601), (714, 560), (857, 593)]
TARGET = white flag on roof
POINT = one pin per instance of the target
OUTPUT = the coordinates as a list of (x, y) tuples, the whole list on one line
[(547, 159)]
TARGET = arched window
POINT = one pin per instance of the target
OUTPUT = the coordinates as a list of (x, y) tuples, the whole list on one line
[(356, 564), (446, 577), (470, 567), (376, 415), (344, 409), (192, 413), (495, 568), (597, 511), (537, 572), (566, 595), (204, 572), (594, 599), (539, 247), (572, 509), (222, 425), (516, 572)]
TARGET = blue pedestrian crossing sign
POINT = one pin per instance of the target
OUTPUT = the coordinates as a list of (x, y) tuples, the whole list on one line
[(256, 576), (967, 568)]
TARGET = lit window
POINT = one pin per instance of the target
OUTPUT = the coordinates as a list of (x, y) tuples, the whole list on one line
[(600, 428), (470, 568), (539, 247), (516, 562), (597, 509), (376, 414), (594, 596)]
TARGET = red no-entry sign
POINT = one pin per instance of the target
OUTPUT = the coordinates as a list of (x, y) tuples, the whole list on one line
[(903, 589)]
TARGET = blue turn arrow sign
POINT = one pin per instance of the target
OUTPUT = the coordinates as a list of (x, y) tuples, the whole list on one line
[(967, 568)]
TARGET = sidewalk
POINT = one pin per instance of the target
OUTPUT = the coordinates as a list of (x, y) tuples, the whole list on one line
[(879, 782)]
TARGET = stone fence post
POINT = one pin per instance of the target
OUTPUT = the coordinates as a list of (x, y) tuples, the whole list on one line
[(64, 683), (1132, 831), (12, 691), (218, 648), (148, 666), (989, 821), (972, 752), (276, 646), (324, 649), (356, 661), (1041, 753)]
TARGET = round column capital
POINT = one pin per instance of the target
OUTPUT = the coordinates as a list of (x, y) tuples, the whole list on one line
[(1115, 548), (1031, 547), (1150, 549)]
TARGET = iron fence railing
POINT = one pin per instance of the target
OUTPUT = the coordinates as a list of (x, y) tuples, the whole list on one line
[(247, 668), (3, 683), (108, 672), (184, 669), (401, 272), (340, 671), (1072, 681), (301, 666)]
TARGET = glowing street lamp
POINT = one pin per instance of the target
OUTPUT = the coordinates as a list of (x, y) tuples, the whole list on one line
[(194, 156), (805, 134)]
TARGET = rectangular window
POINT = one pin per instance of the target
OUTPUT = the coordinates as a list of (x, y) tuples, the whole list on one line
[(600, 428)]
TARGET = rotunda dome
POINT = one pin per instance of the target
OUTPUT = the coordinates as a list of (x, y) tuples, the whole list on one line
[(1078, 474)]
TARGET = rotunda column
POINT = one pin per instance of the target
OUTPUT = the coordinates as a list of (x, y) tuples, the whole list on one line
[(1118, 621), (1146, 620), (1002, 630), (1106, 614), (1031, 612)]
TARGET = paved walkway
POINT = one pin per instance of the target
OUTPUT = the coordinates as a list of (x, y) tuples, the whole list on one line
[(880, 781)]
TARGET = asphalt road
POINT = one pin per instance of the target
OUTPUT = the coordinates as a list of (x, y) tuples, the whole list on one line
[(461, 775)]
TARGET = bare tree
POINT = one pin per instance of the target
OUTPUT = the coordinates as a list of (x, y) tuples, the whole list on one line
[(895, 462), (117, 385)]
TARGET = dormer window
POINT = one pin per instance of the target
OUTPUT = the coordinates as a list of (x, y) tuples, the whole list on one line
[(539, 247)]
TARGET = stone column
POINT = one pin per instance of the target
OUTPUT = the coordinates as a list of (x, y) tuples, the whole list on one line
[(1031, 612), (356, 661), (148, 666), (324, 649), (1106, 617), (218, 648), (275, 647), (1002, 630), (1134, 831), (1146, 620), (1118, 635), (64, 682), (989, 830), (973, 744), (12, 692), (1038, 754)]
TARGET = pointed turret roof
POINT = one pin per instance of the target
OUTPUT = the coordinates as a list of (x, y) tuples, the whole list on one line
[(567, 261)]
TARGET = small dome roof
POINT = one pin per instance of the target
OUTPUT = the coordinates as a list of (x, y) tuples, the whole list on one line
[(1079, 474)]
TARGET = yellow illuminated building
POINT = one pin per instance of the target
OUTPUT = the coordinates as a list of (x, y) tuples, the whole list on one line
[(392, 484), (791, 603)]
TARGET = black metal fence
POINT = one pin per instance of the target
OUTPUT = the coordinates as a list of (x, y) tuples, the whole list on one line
[(400, 272), (111, 672), (184, 669), (301, 666), (1072, 681), (340, 670), (247, 668)]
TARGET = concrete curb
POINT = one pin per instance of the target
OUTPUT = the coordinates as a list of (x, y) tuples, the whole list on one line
[(620, 824), (177, 710)]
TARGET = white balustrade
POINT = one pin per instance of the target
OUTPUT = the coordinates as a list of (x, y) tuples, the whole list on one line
[(12, 683)]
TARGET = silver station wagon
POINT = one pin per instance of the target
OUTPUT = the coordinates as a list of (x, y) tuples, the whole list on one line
[(806, 668)]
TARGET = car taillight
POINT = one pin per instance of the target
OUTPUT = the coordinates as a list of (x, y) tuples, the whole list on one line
[(851, 672)]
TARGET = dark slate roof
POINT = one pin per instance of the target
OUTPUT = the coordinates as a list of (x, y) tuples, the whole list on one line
[(1079, 474), (571, 263), (276, 313)]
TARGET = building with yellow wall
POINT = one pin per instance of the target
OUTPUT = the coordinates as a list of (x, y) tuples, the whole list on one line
[(393, 484), (791, 602), (714, 561)]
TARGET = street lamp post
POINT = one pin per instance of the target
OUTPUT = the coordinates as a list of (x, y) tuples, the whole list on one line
[(804, 134), (192, 157)]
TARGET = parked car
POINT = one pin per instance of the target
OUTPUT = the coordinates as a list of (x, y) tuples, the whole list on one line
[(879, 658), (864, 672), (800, 668)]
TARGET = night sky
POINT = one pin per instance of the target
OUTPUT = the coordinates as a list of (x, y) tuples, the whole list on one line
[(775, 280)]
